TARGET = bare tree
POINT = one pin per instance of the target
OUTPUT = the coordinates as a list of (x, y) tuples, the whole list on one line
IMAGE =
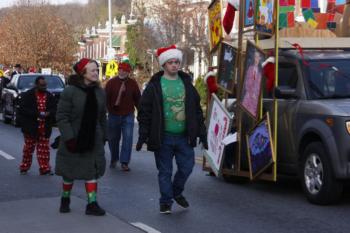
[(183, 23), (37, 38)]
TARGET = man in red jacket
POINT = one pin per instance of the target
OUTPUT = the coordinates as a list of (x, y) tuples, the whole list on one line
[(123, 95)]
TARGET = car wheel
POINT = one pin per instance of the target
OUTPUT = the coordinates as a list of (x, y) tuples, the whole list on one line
[(318, 181)]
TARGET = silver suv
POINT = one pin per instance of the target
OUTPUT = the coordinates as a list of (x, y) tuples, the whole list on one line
[(314, 121)]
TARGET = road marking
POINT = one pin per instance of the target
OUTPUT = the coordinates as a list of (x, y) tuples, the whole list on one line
[(145, 227), (6, 156)]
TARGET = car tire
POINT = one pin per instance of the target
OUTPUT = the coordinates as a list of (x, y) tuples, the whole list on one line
[(317, 176)]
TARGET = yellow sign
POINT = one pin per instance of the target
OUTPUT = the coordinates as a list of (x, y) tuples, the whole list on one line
[(1, 73), (112, 68), (215, 27)]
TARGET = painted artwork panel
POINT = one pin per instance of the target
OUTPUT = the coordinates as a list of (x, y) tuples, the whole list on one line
[(215, 26), (249, 6), (226, 70), (265, 15), (260, 148), (218, 128), (250, 94)]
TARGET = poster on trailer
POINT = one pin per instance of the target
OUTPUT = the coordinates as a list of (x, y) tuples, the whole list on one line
[(219, 126)]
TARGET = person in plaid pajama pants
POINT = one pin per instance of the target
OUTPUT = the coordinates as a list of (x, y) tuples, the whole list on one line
[(36, 117)]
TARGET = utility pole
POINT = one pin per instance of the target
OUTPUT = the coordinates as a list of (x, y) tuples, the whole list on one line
[(110, 22)]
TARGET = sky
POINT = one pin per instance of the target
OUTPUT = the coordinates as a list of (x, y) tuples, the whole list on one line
[(6, 3)]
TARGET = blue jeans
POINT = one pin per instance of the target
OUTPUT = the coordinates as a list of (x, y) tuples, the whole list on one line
[(118, 126), (184, 155)]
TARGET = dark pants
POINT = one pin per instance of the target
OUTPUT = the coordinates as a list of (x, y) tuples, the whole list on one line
[(118, 126), (184, 155)]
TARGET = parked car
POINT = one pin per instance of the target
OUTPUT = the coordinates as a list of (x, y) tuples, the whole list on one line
[(20, 83)]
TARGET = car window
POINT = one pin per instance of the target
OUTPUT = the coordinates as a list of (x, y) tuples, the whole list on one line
[(329, 81), (287, 75), (26, 82)]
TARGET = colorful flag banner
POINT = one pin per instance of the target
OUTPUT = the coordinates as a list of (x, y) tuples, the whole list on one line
[(283, 20), (308, 14), (284, 2), (322, 20), (314, 3), (305, 3), (291, 19), (286, 9), (312, 23)]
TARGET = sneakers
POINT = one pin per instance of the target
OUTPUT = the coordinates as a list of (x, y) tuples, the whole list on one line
[(165, 208), (181, 201), (64, 208), (94, 209), (125, 167)]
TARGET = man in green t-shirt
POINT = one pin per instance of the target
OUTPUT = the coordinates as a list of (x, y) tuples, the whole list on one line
[(170, 120)]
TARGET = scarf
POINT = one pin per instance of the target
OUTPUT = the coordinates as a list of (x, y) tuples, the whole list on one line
[(86, 134), (122, 89)]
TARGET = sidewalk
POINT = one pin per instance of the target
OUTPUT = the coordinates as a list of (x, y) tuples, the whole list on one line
[(42, 216)]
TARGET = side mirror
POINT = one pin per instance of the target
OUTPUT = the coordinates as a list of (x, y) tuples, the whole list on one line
[(285, 92)]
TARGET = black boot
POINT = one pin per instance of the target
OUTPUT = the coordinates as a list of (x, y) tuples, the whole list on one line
[(94, 209), (64, 208)]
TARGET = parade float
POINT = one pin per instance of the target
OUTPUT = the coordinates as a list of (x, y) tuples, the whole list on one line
[(258, 129)]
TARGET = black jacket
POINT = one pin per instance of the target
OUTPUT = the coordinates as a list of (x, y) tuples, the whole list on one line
[(28, 113), (151, 118)]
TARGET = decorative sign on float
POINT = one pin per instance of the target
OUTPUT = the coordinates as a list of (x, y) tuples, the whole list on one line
[(215, 26), (251, 89), (227, 64), (219, 126), (260, 148)]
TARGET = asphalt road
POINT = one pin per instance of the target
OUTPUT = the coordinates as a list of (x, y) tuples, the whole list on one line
[(216, 206)]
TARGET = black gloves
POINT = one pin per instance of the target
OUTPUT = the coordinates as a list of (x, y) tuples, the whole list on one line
[(71, 145), (139, 144), (56, 142), (204, 142)]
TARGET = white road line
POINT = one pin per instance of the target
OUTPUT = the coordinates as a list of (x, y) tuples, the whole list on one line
[(6, 156), (144, 227)]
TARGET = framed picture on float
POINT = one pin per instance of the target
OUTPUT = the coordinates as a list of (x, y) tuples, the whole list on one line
[(218, 126), (260, 148), (214, 24), (252, 80), (226, 68), (249, 12)]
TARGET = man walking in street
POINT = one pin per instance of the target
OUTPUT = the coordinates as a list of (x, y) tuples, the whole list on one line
[(36, 116), (123, 95), (170, 120)]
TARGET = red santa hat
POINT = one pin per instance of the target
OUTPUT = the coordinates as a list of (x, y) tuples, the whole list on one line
[(210, 80), (125, 66), (229, 17), (269, 72), (80, 65), (167, 53)]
